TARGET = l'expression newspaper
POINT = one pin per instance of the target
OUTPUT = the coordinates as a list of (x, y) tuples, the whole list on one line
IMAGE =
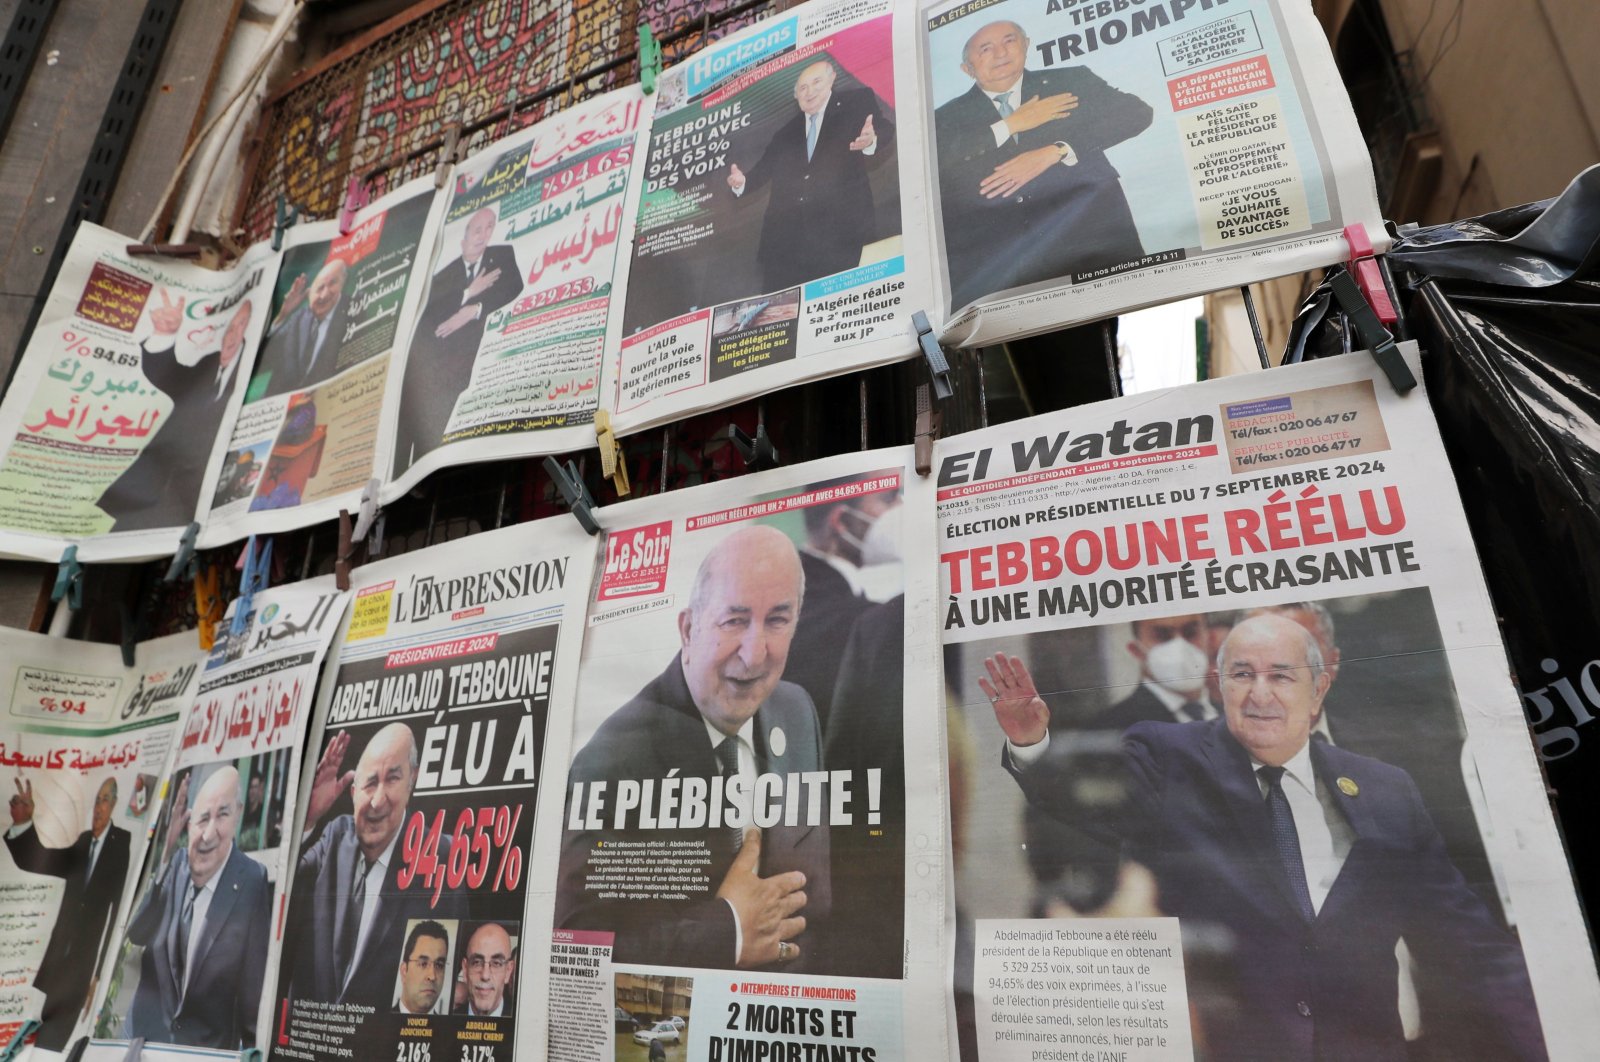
[(1093, 157), (749, 859), (84, 740), (779, 237), (203, 925), (305, 443), (1237, 771), (418, 911), (507, 352), (133, 371)]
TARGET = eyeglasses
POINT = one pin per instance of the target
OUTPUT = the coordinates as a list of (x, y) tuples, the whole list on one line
[(425, 964), (477, 962)]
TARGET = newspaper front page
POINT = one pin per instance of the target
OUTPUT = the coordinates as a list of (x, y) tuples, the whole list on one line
[(750, 865), (306, 441), (416, 919), (1236, 767), (507, 352), (1096, 156), (135, 368), (780, 235), (203, 925), (84, 741)]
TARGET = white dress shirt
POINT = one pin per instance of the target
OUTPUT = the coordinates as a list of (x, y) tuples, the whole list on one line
[(1002, 132), (1325, 836), (377, 874), (197, 917)]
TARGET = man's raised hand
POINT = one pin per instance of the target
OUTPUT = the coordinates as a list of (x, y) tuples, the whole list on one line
[(867, 138), (327, 783), (1039, 110), (22, 803), (167, 318), (767, 908), (1018, 708), (736, 178), (178, 821), (292, 301)]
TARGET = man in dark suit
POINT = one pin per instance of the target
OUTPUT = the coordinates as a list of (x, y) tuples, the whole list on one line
[(162, 485), (719, 713), (349, 911), (1317, 861), (92, 870), (460, 299), (1026, 190), (204, 925), (302, 345), (1172, 675), (819, 206)]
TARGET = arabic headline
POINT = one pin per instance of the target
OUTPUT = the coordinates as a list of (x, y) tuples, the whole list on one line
[(262, 713), (692, 802), (73, 757)]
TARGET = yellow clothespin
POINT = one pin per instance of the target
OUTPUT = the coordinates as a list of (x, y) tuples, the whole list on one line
[(613, 465)]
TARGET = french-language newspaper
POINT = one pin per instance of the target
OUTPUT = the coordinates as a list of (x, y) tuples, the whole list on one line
[(780, 234), (136, 366), (1236, 767), (204, 924), (507, 352), (1095, 156), (417, 921), (84, 741), (750, 860)]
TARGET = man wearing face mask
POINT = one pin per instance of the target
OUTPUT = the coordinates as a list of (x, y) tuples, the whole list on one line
[(1172, 669)]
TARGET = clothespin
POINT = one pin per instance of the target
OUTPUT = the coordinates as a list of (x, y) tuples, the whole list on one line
[(356, 196), (574, 492), (69, 581), (341, 555), (208, 604), (282, 217), (758, 453), (27, 1029), (250, 1054), (254, 564), (135, 1050), (1369, 279), (368, 511), (75, 1052), (448, 154), (205, 255), (183, 560), (938, 367), (1373, 335), (613, 463), (649, 58), (130, 633), (929, 422)]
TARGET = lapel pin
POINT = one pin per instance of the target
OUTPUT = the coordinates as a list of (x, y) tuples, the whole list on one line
[(777, 742), (1348, 787)]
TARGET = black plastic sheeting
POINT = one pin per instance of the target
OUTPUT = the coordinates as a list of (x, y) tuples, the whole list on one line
[(1507, 308)]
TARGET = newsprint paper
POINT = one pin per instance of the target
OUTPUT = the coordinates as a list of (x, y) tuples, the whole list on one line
[(1237, 770), (750, 861)]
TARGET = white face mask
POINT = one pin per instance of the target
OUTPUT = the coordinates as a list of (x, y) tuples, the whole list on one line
[(881, 545), (1177, 665)]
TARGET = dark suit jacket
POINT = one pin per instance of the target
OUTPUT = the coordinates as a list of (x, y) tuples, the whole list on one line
[(660, 731), (819, 212), (88, 906), (829, 611), (224, 994), (1068, 219), (286, 356), (438, 370), (162, 485), (1327, 988), (321, 901)]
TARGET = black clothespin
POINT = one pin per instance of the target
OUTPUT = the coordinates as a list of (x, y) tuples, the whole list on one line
[(1373, 335), (649, 58), (758, 453), (449, 154), (282, 217), (356, 196), (938, 366), (929, 422), (576, 494), (27, 1029), (183, 560), (69, 583), (79, 1046), (130, 633)]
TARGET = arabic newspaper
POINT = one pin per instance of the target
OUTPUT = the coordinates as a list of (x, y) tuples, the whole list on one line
[(746, 863), (1236, 767), (779, 237), (202, 924), (426, 814), (84, 741), (1094, 157), (135, 367), (305, 444), (507, 351)]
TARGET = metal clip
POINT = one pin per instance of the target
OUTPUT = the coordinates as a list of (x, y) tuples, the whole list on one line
[(613, 462), (282, 217), (356, 196), (938, 367), (574, 492), (649, 58), (929, 422), (758, 453), (183, 560), (69, 581), (1373, 335)]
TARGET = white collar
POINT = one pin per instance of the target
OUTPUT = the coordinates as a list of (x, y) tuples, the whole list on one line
[(1174, 702), (211, 885), (1298, 767), (747, 733), (1016, 86), (851, 573)]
